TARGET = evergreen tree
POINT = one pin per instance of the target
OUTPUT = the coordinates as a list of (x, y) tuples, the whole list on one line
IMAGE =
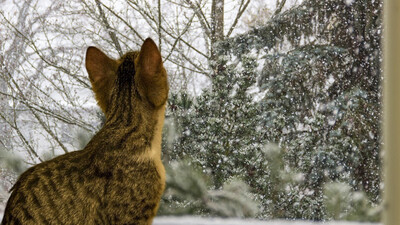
[(321, 76), (220, 131)]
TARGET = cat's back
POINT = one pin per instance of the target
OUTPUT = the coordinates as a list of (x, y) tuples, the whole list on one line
[(76, 188), (133, 193), (58, 191)]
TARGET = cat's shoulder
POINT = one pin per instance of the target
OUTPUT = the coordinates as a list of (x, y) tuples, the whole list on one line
[(46, 168)]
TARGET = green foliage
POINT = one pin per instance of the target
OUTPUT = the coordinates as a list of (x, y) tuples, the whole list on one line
[(188, 192), (11, 162), (83, 139), (217, 111), (225, 110), (342, 203), (11, 166), (233, 200), (321, 77)]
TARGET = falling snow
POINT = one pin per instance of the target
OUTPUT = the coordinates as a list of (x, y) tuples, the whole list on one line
[(280, 119)]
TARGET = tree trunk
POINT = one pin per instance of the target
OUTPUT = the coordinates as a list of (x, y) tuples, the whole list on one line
[(217, 20), (217, 32)]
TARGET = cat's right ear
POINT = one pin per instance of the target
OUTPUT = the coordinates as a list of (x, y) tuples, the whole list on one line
[(102, 73)]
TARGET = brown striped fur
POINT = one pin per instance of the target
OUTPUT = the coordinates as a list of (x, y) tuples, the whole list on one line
[(118, 178)]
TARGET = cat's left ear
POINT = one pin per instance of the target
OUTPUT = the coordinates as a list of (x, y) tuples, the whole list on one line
[(102, 73), (152, 77), (98, 64)]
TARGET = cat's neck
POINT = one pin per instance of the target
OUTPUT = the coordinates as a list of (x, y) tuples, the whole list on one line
[(141, 135), (154, 150)]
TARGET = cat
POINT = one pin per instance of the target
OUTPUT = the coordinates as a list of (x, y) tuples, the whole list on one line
[(118, 178)]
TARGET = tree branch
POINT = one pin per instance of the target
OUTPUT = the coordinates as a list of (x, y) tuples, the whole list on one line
[(200, 15), (242, 9), (124, 21), (112, 34), (279, 6), (41, 122)]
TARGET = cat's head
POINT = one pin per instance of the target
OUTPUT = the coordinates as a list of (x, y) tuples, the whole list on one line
[(136, 77)]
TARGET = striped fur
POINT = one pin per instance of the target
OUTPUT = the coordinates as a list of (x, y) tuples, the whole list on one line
[(118, 178)]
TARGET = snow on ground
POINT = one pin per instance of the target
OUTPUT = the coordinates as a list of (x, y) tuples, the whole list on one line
[(218, 221)]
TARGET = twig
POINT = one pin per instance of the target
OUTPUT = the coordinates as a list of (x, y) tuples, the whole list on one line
[(242, 9), (112, 34)]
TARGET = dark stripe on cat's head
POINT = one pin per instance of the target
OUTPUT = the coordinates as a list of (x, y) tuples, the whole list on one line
[(126, 71)]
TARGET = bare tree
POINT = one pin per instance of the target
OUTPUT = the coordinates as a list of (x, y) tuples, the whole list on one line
[(46, 102), (45, 95)]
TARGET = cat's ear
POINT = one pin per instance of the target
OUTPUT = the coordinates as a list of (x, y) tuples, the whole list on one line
[(98, 64), (151, 73), (150, 58), (102, 73)]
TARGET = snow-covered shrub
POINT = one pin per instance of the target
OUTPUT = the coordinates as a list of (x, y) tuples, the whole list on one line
[(343, 203), (189, 192)]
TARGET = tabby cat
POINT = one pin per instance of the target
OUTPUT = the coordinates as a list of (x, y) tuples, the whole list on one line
[(118, 178)]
